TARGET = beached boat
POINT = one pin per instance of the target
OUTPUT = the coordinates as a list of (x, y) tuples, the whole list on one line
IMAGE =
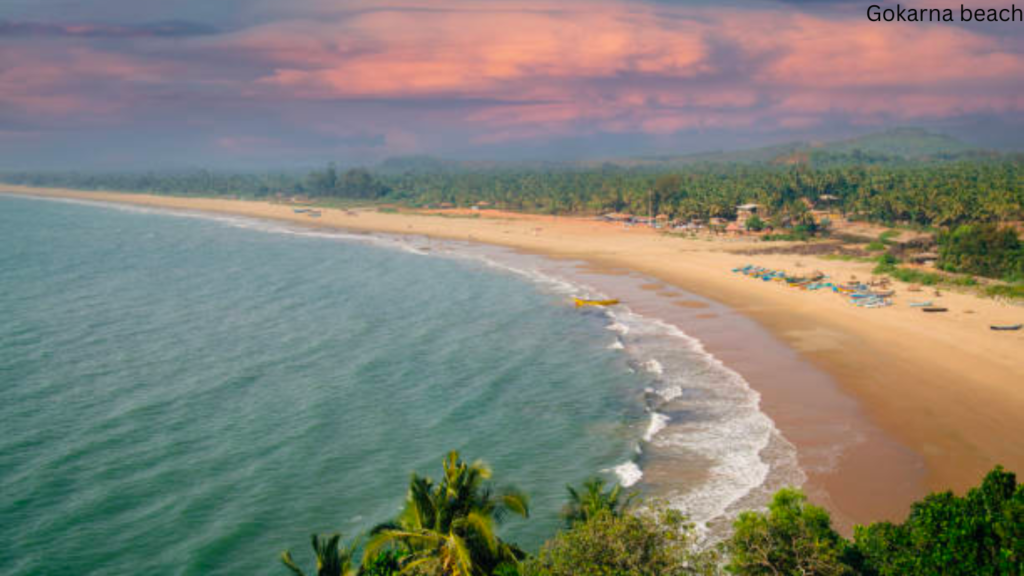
[(314, 213), (875, 304), (300, 210), (934, 309), (586, 302), (920, 304), (1006, 327)]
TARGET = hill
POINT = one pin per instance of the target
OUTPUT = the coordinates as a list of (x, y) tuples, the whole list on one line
[(896, 146)]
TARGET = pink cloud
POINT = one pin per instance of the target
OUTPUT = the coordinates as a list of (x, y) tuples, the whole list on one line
[(819, 52), (615, 66), (396, 53), (50, 84), (523, 69)]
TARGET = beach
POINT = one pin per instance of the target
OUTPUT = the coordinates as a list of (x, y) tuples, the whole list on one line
[(938, 397)]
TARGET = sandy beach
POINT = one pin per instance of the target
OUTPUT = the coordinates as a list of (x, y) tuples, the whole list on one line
[(941, 389)]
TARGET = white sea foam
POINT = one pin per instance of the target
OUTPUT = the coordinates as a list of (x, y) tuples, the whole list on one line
[(728, 428), (628, 473), (618, 327), (670, 393), (617, 345), (657, 424), (654, 367)]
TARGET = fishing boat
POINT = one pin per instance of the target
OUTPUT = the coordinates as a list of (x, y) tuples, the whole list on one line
[(1006, 327), (314, 213), (586, 302), (876, 304), (884, 293), (920, 304), (300, 210), (934, 309)]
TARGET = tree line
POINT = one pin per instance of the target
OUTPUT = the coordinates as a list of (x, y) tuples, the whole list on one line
[(936, 194), (450, 528)]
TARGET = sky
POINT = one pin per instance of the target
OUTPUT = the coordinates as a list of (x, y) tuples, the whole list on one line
[(273, 84)]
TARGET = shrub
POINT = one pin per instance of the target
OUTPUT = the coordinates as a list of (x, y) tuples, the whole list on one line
[(887, 236), (645, 544), (793, 537), (887, 265), (980, 534), (983, 249), (1005, 291)]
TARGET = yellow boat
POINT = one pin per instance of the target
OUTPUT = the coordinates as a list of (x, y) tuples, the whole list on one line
[(582, 302)]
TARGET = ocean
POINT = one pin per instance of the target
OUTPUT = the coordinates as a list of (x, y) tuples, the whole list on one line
[(192, 394)]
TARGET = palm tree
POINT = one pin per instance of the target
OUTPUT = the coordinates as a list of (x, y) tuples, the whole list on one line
[(448, 528), (592, 498), (331, 559)]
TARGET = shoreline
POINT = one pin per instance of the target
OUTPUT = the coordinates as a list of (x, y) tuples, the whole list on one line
[(942, 390)]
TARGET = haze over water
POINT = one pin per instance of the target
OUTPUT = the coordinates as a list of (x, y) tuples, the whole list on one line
[(179, 396)]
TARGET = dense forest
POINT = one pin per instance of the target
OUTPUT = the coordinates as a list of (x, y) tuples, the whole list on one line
[(937, 194), (449, 527)]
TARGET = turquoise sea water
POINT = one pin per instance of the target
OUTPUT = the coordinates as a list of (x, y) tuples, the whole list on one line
[(191, 395)]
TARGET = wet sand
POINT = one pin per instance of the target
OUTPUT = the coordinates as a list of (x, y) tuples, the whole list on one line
[(922, 402)]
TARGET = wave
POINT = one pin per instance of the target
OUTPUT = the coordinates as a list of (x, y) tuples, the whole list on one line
[(722, 422), (657, 424), (654, 367), (628, 473)]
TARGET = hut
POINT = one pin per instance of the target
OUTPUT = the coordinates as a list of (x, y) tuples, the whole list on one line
[(744, 212)]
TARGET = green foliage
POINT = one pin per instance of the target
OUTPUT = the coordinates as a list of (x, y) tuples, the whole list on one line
[(887, 265), (887, 236), (448, 528), (331, 559), (847, 258), (876, 246), (792, 538), (945, 194), (642, 544), (888, 260), (385, 563), (755, 224), (979, 534), (592, 499), (1012, 291), (798, 234), (983, 249)]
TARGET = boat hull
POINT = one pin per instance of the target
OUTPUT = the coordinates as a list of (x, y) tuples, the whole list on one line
[(580, 302)]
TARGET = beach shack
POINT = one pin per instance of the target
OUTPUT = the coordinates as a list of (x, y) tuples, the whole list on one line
[(745, 212)]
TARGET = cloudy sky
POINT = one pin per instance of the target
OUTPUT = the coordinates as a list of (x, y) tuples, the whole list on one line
[(275, 84)]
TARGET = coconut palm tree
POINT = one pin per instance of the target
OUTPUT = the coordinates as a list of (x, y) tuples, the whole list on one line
[(449, 528), (331, 559), (592, 498)]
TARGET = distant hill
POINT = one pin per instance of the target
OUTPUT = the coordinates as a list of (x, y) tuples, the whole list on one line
[(895, 146), (910, 143)]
